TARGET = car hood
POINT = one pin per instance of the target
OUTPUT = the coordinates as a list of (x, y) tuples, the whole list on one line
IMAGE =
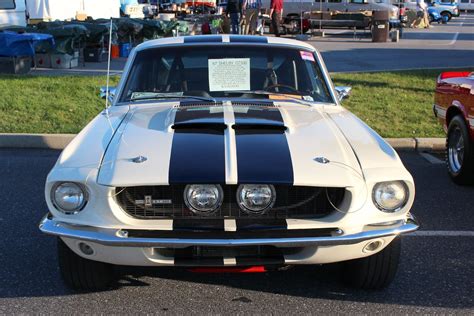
[(280, 143)]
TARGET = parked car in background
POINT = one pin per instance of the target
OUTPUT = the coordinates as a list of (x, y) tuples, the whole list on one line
[(454, 108), (466, 5), (295, 7), (231, 153), (448, 10), (434, 16)]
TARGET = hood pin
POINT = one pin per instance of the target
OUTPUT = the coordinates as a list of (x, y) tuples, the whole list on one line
[(322, 160), (139, 159)]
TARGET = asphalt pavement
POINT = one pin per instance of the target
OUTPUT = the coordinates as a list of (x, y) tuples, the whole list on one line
[(436, 274), (442, 46)]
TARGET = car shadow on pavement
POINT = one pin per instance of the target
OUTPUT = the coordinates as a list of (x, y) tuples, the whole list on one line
[(423, 279), (413, 285)]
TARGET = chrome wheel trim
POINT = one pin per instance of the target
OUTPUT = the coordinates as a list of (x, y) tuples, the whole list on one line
[(456, 150)]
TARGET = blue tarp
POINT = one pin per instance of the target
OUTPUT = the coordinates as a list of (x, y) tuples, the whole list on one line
[(14, 44)]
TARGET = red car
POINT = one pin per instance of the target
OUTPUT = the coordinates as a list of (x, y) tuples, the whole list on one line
[(454, 107)]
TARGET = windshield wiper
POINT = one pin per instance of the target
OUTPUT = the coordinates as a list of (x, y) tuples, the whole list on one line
[(137, 96), (290, 95), (263, 92)]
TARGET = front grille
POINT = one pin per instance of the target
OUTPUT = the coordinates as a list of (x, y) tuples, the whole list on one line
[(291, 202)]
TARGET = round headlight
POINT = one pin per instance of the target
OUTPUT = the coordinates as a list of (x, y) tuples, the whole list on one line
[(203, 199), (256, 198), (69, 197), (390, 196)]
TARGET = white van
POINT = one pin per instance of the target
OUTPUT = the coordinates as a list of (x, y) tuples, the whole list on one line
[(291, 7), (12, 12)]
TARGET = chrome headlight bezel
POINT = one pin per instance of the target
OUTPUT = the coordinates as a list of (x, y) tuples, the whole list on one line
[(75, 210), (207, 211), (377, 200), (255, 210)]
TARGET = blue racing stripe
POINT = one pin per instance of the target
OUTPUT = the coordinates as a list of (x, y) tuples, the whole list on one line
[(247, 39), (263, 154), (198, 151), (203, 39)]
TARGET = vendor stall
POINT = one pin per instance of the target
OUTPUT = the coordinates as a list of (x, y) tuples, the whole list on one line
[(17, 50), (51, 10)]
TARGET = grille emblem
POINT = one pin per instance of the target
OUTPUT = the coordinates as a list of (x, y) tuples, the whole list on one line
[(149, 201)]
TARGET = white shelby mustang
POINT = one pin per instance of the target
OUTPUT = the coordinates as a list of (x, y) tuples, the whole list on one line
[(228, 152)]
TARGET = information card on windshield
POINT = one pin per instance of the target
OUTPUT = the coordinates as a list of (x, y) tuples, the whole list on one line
[(229, 74)]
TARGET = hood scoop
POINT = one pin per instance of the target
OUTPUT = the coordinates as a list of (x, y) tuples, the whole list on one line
[(260, 126), (199, 126)]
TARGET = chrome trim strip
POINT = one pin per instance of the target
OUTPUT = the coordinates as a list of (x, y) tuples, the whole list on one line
[(111, 237)]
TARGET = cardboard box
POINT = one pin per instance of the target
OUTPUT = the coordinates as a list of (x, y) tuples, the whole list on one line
[(15, 65), (43, 60), (64, 61)]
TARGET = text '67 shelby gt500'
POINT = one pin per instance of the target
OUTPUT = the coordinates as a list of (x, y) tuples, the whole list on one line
[(227, 152)]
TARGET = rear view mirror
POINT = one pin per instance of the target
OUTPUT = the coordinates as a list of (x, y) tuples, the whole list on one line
[(103, 93), (343, 92)]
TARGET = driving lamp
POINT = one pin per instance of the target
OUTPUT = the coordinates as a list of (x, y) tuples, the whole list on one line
[(203, 199), (256, 198), (390, 196), (69, 197)]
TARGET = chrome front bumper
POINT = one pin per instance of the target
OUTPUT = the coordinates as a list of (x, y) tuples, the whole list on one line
[(117, 237)]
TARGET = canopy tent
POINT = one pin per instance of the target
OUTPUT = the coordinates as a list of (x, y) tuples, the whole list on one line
[(13, 44), (65, 10)]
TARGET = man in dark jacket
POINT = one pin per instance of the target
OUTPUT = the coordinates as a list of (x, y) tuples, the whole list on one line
[(234, 10)]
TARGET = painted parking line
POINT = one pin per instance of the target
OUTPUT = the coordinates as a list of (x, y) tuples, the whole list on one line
[(441, 233), (456, 35), (432, 159)]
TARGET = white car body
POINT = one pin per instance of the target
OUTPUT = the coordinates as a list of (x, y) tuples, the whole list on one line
[(356, 158), (13, 12)]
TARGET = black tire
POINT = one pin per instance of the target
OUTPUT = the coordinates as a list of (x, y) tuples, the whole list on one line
[(446, 13), (83, 274), (374, 272), (461, 172)]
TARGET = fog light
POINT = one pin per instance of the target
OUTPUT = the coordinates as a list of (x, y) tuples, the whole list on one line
[(203, 199), (373, 246), (256, 198), (86, 249)]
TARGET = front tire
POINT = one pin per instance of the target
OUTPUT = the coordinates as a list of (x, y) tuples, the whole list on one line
[(376, 271), (83, 274), (459, 152), (447, 14)]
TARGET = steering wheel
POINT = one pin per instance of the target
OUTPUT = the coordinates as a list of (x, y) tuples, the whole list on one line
[(284, 86)]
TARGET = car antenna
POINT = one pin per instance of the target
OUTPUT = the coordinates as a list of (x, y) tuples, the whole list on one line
[(108, 69)]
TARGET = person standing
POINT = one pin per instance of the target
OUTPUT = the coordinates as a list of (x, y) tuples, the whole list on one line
[(276, 12), (234, 10), (251, 11), (422, 14)]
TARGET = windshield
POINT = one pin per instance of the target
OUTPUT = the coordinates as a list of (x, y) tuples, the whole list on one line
[(226, 71)]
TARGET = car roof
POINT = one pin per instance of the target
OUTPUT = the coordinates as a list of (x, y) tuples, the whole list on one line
[(227, 39)]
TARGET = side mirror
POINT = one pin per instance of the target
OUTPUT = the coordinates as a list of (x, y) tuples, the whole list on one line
[(103, 93), (343, 93)]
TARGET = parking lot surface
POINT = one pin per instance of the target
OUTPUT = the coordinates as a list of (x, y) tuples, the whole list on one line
[(442, 46), (436, 274)]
